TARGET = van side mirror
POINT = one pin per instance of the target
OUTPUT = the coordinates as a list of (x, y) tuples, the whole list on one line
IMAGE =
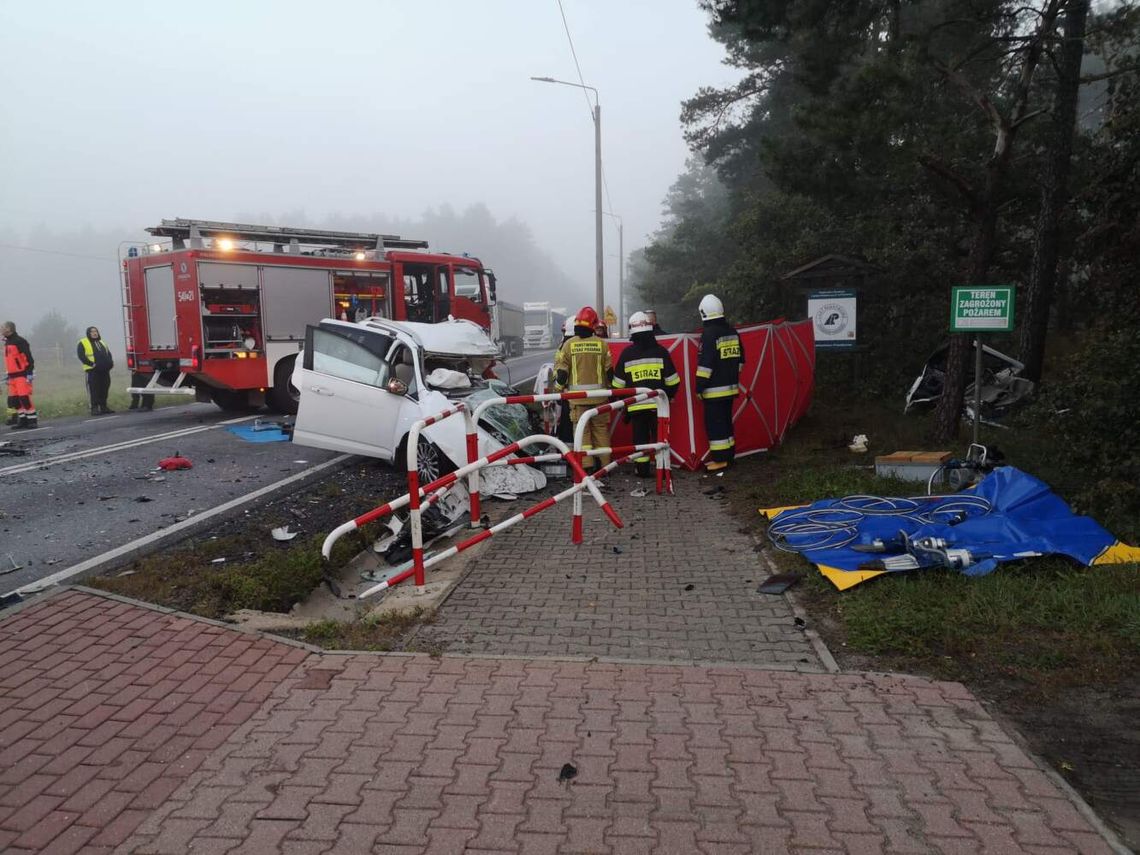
[(491, 285), (397, 386)]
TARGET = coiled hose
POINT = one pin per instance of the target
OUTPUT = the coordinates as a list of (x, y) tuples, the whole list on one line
[(805, 529)]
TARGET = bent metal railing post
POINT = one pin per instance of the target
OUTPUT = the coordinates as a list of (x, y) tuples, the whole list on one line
[(659, 448), (434, 491)]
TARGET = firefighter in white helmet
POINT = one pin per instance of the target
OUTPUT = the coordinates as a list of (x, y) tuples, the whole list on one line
[(645, 363), (718, 380)]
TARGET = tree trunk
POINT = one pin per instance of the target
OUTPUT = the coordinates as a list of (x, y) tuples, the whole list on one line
[(985, 208), (1054, 194), (949, 411)]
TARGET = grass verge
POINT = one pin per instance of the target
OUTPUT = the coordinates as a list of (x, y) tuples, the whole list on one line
[(60, 390), (1046, 623), (381, 632), (214, 578)]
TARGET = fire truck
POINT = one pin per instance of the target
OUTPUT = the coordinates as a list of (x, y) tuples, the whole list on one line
[(218, 311)]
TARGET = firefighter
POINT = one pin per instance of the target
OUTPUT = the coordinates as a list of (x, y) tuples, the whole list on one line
[(19, 367), (97, 364), (584, 362), (141, 401), (718, 380), (653, 320), (648, 364)]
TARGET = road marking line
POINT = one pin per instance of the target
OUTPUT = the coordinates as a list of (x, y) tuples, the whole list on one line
[(111, 554), (31, 466)]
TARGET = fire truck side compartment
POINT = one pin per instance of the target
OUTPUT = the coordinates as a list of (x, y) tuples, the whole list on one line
[(160, 322), (294, 296)]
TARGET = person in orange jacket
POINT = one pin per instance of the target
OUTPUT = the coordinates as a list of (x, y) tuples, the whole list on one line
[(19, 367)]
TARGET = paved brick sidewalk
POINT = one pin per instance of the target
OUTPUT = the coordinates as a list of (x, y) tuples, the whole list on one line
[(407, 754), (682, 588), (106, 708)]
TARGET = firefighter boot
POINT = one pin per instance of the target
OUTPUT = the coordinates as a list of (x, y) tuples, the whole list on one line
[(33, 421), (13, 420)]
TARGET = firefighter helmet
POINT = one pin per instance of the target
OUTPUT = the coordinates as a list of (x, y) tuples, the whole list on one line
[(639, 322), (711, 307), (586, 317)]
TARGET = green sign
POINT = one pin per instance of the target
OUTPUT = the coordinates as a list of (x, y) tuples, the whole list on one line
[(987, 308)]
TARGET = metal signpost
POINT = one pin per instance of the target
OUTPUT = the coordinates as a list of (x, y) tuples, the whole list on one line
[(987, 308)]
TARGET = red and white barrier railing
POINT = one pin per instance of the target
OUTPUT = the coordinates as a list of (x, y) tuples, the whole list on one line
[(659, 448), (432, 492)]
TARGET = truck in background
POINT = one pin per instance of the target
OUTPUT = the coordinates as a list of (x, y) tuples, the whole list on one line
[(508, 327), (220, 312), (543, 328)]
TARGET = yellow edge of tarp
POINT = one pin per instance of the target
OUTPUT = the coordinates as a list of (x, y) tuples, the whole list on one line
[(841, 579), (1118, 553), (771, 513), (844, 579)]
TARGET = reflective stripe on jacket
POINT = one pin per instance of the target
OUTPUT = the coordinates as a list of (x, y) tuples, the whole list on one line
[(719, 360), (649, 365), (583, 363)]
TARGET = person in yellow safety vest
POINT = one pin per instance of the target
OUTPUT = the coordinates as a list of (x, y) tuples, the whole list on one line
[(647, 364), (719, 361), (584, 362), (97, 364)]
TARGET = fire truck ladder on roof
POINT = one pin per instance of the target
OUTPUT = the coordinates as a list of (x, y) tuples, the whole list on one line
[(183, 230)]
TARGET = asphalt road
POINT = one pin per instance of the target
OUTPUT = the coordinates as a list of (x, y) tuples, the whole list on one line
[(87, 488), (89, 485), (525, 367)]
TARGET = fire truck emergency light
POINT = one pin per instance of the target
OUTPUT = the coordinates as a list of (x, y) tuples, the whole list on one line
[(225, 244), (359, 256)]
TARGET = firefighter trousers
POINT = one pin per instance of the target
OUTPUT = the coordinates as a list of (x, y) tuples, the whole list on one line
[(644, 423), (597, 431), (718, 428)]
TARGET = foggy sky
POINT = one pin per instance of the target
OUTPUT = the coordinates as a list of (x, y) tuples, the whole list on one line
[(116, 115)]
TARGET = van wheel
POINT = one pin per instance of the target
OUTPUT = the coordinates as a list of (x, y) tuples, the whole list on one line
[(232, 400), (284, 397)]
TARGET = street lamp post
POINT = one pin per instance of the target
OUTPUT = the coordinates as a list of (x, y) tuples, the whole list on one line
[(600, 296), (621, 270)]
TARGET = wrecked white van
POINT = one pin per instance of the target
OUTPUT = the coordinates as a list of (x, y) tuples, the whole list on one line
[(363, 385)]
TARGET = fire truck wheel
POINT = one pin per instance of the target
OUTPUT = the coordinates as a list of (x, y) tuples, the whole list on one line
[(232, 400), (284, 397)]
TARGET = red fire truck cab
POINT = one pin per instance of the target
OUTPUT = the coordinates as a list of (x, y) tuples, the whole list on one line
[(220, 312)]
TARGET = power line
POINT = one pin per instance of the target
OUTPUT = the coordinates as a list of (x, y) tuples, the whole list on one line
[(582, 81), (54, 252), (574, 53)]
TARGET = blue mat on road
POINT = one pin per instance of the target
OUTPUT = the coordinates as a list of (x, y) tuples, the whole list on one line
[(250, 434)]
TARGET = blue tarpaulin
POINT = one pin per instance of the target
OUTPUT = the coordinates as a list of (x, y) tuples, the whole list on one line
[(1025, 519), (252, 434)]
